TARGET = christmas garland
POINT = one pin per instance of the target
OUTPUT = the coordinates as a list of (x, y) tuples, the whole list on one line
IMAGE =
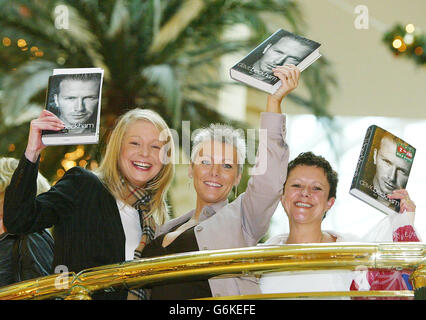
[(407, 41)]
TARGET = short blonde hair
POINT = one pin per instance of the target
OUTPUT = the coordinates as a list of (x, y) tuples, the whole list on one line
[(8, 167), (109, 172), (224, 134)]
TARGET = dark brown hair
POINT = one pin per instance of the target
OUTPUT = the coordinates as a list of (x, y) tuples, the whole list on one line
[(310, 159)]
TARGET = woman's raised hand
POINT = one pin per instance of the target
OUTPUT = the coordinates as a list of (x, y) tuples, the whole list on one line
[(289, 75), (406, 204), (46, 121)]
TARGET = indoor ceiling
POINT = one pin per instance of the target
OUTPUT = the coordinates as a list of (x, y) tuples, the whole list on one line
[(372, 81)]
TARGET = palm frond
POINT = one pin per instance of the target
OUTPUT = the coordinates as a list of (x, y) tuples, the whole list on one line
[(189, 10), (159, 54), (26, 82), (79, 37), (168, 86), (120, 19)]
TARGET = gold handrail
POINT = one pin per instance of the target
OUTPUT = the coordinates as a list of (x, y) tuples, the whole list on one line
[(39, 288), (225, 263), (419, 277)]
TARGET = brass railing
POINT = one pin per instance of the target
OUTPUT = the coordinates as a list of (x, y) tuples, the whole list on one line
[(230, 263)]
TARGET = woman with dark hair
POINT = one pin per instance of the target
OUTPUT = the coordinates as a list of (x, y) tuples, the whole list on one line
[(309, 193)]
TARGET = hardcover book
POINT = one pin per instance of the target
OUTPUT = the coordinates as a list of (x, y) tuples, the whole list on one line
[(282, 47), (74, 95), (384, 165)]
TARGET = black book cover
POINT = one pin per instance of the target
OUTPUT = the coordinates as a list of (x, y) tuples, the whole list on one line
[(282, 47), (74, 96)]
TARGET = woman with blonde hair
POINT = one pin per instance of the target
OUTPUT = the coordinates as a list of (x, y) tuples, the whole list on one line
[(111, 175), (99, 217)]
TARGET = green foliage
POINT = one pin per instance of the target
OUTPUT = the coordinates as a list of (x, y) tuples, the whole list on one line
[(159, 54), (411, 44)]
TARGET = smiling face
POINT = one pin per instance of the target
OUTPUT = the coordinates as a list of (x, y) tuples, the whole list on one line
[(140, 156), (77, 100), (391, 171), (305, 197), (215, 172)]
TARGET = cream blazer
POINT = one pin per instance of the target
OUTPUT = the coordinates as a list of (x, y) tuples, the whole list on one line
[(245, 220)]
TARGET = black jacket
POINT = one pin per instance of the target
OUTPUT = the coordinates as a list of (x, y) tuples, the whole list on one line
[(24, 257), (87, 225)]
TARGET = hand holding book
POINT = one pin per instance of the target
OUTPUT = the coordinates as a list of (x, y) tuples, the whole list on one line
[(46, 121), (279, 49), (406, 204), (289, 76), (74, 96), (382, 171)]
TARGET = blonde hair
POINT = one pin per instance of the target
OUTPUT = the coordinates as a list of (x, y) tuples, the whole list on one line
[(8, 167), (109, 172)]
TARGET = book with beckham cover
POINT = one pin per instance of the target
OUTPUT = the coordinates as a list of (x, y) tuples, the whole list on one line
[(74, 96), (384, 165), (282, 47)]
